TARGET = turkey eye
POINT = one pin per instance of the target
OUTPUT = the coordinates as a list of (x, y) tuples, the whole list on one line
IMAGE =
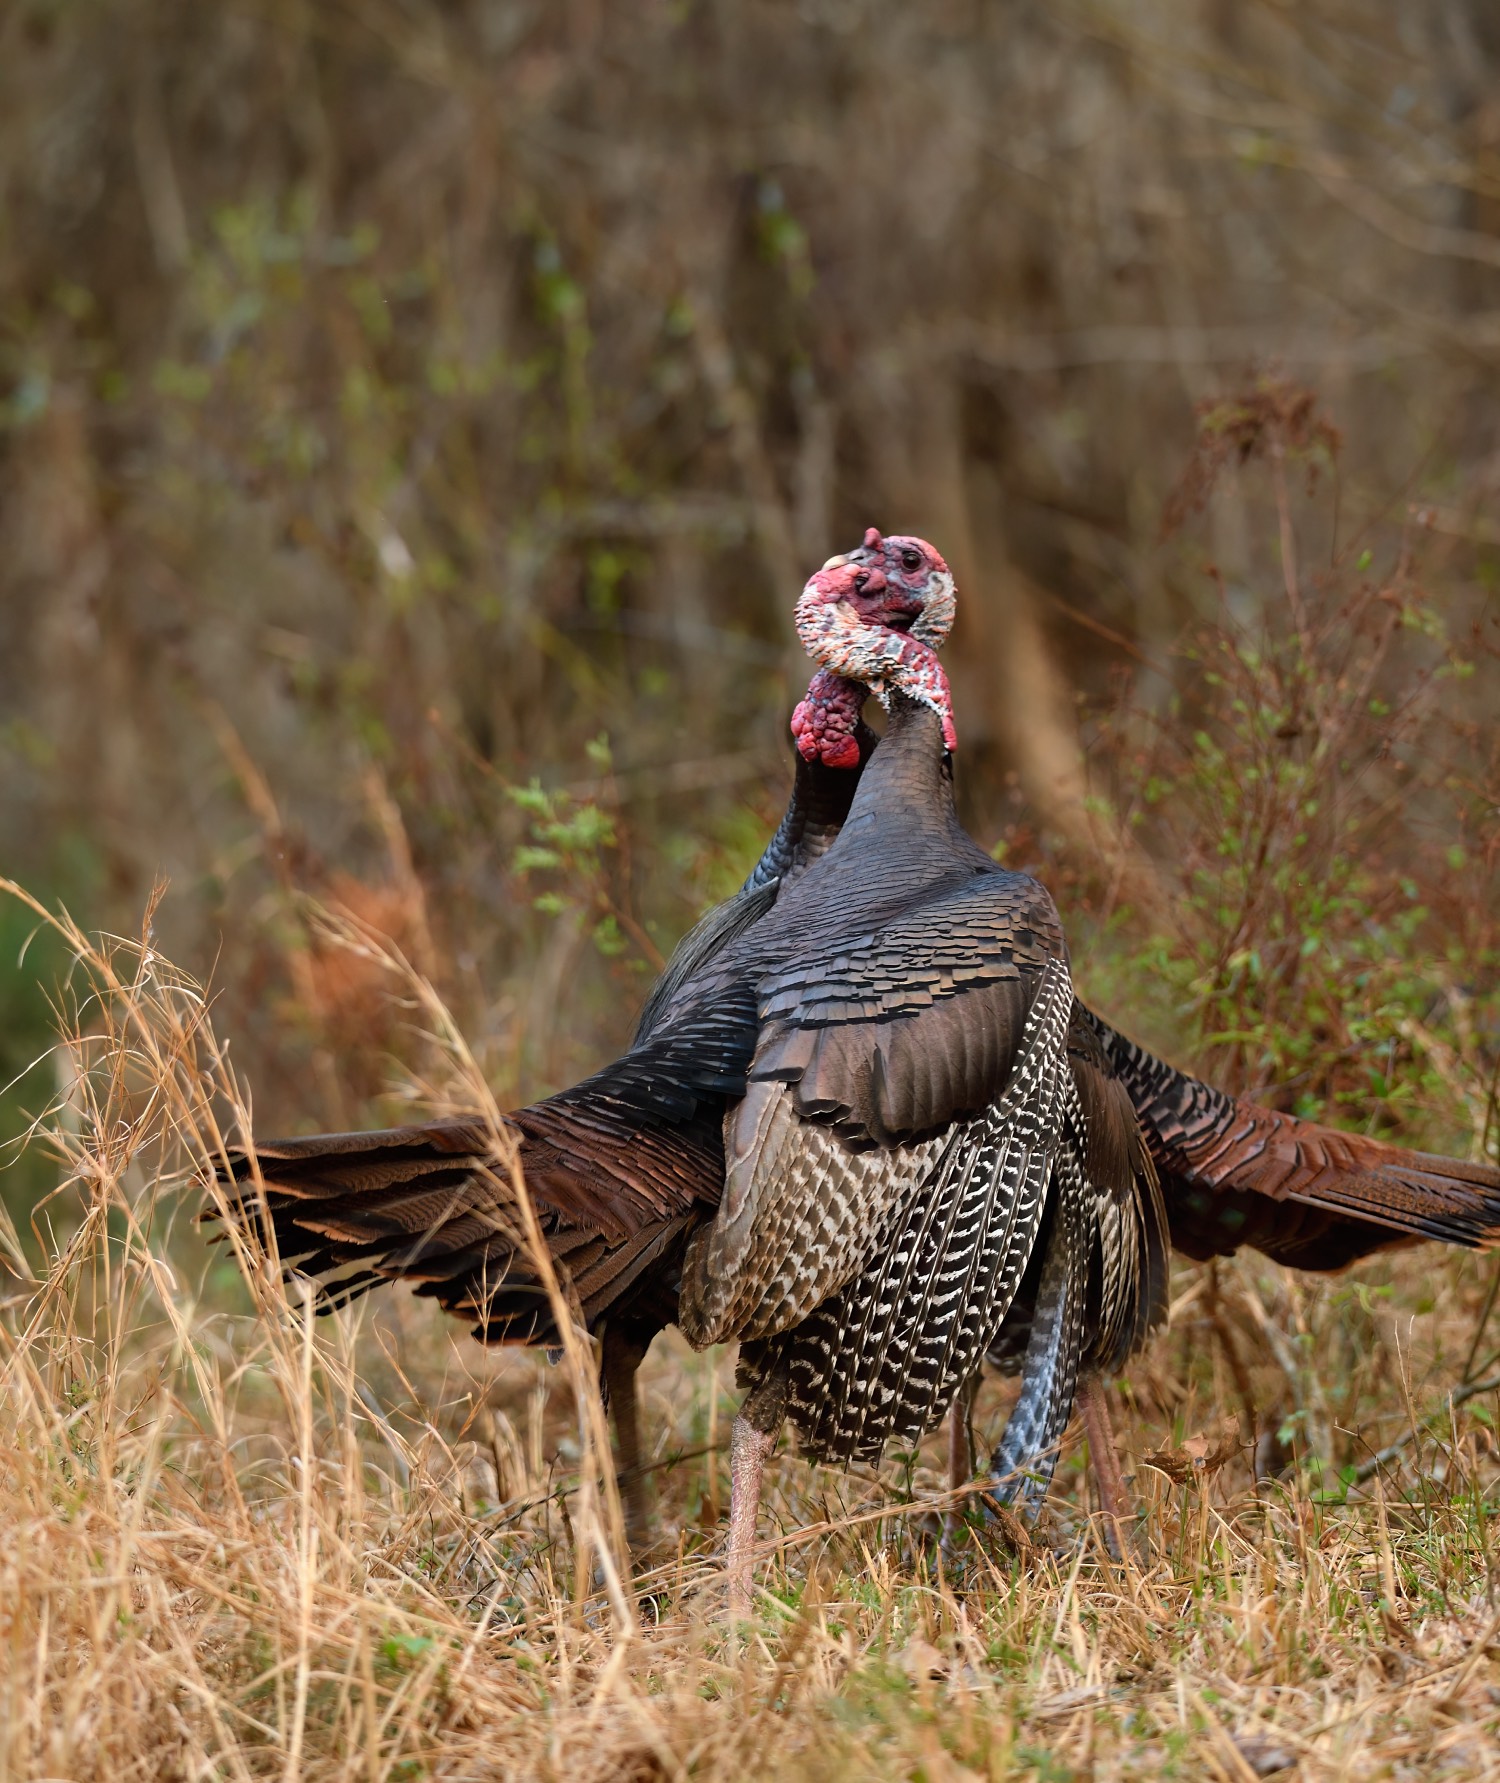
[(911, 560)]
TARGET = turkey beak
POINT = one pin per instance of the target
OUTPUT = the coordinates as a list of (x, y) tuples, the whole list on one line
[(836, 563)]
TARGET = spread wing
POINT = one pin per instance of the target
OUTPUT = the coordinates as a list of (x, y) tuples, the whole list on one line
[(1233, 1173), (618, 1169)]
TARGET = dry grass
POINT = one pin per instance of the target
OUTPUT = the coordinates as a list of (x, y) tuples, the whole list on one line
[(250, 1543)]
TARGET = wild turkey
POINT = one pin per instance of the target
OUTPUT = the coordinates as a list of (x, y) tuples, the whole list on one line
[(918, 1134), (623, 1166), (628, 1165), (883, 1356)]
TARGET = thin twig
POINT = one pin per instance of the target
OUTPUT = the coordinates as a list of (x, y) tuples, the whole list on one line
[(1394, 1451)]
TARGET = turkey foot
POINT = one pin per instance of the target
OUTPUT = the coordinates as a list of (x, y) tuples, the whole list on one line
[(750, 1445), (1114, 1495)]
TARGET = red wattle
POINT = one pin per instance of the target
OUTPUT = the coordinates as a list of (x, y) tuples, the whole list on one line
[(825, 722), (841, 752), (804, 732)]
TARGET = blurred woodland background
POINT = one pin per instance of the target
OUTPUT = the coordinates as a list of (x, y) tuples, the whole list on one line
[(417, 419)]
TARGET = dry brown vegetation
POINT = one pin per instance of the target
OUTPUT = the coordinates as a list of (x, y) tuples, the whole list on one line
[(415, 422)]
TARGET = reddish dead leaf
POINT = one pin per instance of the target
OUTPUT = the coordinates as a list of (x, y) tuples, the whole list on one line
[(1200, 1457)]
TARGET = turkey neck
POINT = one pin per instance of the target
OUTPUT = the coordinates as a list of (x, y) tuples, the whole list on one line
[(817, 811), (905, 795)]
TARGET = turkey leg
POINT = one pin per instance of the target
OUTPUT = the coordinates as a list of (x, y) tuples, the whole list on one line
[(960, 1454), (750, 1444), (1114, 1496), (623, 1354)]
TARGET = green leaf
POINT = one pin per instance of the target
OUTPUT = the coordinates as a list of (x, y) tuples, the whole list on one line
[(397, 1649), (533, 860)]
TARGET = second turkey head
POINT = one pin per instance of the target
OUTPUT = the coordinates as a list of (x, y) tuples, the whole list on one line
[(873, 619)]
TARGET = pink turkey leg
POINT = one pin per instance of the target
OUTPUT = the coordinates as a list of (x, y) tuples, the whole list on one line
[(1114, 1495), (750, 1445)]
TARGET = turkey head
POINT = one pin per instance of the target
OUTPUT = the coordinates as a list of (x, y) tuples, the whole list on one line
[(873, 618)]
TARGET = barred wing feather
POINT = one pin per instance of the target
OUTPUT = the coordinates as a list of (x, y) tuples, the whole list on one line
[(884, 1357), (863, 1066)]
